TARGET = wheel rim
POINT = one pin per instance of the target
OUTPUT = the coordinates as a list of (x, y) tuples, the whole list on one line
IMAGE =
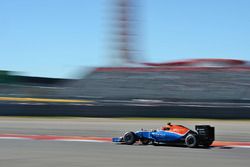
[(128, 138), (190, 140)]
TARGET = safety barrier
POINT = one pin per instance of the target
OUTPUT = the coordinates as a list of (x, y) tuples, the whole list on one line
[(124, 111)]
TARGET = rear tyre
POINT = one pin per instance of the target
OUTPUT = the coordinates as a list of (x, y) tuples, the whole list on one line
[(145, 141), (191, 141), (129, 138)]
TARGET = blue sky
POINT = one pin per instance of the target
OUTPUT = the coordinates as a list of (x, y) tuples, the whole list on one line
[(57, 38)]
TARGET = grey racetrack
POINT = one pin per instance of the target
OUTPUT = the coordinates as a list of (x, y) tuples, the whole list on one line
[(29, 153)]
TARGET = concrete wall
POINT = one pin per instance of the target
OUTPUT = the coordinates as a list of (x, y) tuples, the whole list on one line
[(124, 111)]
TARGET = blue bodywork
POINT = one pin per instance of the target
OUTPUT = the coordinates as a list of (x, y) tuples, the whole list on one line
[(156, 136)]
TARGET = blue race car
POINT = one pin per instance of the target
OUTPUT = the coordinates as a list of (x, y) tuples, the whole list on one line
[(171, 134)]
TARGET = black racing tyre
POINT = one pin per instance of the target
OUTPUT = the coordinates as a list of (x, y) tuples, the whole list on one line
[(191, 141), (145, 141), (129, 138)]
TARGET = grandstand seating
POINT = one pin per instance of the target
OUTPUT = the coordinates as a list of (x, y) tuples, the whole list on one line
[(211, 84)]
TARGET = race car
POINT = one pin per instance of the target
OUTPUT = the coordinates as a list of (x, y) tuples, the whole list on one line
[(203, 136)]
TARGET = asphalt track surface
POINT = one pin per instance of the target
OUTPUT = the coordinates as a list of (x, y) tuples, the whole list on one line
[(32, 153)]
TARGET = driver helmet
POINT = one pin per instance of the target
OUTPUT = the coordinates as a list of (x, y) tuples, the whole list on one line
[(167, 127)]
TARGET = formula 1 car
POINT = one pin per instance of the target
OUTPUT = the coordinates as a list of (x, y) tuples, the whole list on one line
[(171, 134)]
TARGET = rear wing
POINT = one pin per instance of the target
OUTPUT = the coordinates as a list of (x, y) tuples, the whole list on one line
[(205, 133)]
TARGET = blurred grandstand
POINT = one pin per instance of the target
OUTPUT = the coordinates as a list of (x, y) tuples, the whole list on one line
[(199, 79), (24, 86), (207, 79)]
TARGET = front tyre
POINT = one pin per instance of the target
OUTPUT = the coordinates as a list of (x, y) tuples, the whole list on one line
[(129, 138), (191, 141)]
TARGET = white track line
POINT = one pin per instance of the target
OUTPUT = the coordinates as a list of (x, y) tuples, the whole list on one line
[(70, 140), (97, 141)]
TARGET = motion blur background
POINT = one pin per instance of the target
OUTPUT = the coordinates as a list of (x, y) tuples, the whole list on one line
[(185, 61), (126, 52)]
